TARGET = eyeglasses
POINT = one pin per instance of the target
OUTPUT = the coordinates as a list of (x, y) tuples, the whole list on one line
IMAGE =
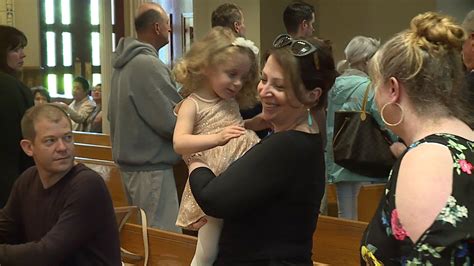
[(297, 47)]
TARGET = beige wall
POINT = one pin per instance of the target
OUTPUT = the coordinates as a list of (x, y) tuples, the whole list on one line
[(251, 9), (337, 20), (26, 20), (340, 20)]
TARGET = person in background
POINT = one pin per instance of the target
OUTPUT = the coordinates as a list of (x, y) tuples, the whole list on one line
[(82, 105), (230, 16), (94, 122), (299, 18), (142, 119), (40, 95), (347, 94), (269, 198), (15, 99), (425, 214), (58, 213)]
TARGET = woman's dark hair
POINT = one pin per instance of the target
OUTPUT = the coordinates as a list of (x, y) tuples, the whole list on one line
[(41, 90), (11, 39)]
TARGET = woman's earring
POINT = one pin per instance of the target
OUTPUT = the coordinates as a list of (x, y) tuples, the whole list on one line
[(310, 118), (385, 121)]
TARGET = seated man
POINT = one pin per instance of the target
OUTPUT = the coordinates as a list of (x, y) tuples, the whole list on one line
[(58, 213)]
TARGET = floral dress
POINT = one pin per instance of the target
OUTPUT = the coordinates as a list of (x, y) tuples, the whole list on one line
[(449, 240)]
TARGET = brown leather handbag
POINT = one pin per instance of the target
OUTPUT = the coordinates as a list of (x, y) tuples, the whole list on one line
[(359, 144)]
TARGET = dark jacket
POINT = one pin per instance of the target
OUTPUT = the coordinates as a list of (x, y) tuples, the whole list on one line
[(15, 99)]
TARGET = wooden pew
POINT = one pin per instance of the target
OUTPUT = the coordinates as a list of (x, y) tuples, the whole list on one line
[(368, 201), (91, 151), (336, 241), (166, 248), (331, 196), (111, 174), (91, 138)]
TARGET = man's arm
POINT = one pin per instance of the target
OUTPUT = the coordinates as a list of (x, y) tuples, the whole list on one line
[(155, 97), (83, 113), (79, 222), (9, 227)]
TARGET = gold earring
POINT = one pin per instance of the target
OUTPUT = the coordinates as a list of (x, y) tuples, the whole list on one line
[(385, 121)]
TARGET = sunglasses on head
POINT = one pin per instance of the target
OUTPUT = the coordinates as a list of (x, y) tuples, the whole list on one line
[(297, 47)]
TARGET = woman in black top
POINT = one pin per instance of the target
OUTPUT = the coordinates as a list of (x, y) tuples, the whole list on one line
[(269, 198), (15, 98)]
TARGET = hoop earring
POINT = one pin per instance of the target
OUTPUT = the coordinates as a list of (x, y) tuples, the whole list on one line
[(310, 118), (385, 121)]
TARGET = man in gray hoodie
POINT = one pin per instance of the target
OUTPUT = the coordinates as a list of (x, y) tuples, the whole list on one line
[(141, 118)]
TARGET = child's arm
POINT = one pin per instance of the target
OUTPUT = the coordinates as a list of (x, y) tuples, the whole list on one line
[(184, 142), (256, 123)]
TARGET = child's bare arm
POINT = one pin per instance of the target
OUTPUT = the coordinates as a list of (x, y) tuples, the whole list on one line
[(184, 142)]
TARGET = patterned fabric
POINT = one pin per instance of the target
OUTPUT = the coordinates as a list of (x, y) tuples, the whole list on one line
[(449, 240), (211, 118)]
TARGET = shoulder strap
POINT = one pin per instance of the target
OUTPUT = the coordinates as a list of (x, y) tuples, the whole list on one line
[(122, 215), (363, 114)]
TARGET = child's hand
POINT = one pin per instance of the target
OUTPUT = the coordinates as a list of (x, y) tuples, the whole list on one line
[(229, 133)]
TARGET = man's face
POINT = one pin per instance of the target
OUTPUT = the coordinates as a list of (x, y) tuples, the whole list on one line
[(308, 27), (468, 52), (240, 27), (78, 92), (53, 147)]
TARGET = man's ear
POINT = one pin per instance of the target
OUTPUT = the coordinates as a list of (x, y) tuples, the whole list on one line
[(157, 28), (27, 147)]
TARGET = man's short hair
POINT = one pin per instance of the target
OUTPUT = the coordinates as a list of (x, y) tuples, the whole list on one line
[(468, 23), (295, 13), (83, 82), (147, 18), (49, 111), (226, 15)]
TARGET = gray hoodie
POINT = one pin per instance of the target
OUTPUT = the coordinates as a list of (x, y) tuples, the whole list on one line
[(142, 98)]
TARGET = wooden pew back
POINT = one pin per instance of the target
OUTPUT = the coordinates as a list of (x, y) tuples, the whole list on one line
[(166, 248), (111, 175), (91, 151), (336, 241), (91, 138), (368, 201)]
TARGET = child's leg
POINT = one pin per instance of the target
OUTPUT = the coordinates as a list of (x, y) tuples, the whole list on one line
[(207, 244)]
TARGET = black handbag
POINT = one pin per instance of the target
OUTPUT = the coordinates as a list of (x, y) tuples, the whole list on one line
[(359, 144)]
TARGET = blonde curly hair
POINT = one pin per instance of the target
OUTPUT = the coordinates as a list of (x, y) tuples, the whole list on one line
[(211, 51)]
